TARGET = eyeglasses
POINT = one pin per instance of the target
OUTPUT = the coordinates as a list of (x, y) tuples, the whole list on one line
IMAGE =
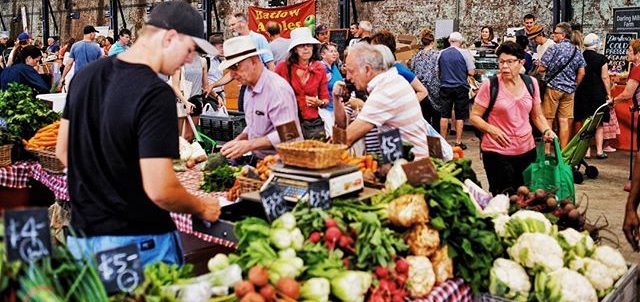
[(304, 45), (508, 62)]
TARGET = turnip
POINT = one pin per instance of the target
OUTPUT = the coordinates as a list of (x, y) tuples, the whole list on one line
[(259, 276), (242, 288), (289, 288), (268, 292), (541, 195), (252, 297)]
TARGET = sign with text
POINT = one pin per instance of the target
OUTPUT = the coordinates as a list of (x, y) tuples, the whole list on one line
[(615, 49), (288, 18), (339, 136), (420, 172), (120, 269), (626, 19), (27, 234), (273, 202), (288, 131), (320, 194), (391, 146), (435, 147)]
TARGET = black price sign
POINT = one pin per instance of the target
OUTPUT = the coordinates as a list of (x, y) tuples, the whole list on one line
[(391, 146), (273, 202), (288, 131), (120, 269), (320, 194), (420, 172), (339, 136), (626, 19), (435, 147), (615, 49), (27, 234)]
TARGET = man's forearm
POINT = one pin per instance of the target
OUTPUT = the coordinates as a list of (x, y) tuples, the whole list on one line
[(261, 143), (177, 199)]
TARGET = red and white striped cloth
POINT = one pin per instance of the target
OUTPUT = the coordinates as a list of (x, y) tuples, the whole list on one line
[(16, 176), (454, 290), (57, 183)]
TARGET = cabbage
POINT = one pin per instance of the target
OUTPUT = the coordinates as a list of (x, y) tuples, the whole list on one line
[(564, 285), (285, 268), (351, 286), (315, 290), (526, 221), (280, 238), (596, 272), (575, 243), (509, 280), (287, 221), (611, 258), (537, 251)]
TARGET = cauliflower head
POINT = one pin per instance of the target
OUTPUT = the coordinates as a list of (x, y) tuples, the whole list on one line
[(537, 251), (596, 272), (442, 265), (499, 223), (423, 240), (421, 276), (564, 285), (509, 280), (575, 243), (612, 259), (526, 221)]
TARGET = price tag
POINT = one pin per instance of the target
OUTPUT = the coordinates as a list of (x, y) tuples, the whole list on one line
[(339, 135), (273, 202), (391, 146), (27, 234), (320, 194), (435, 148), (120, 269), (420, 172), (288, 131)]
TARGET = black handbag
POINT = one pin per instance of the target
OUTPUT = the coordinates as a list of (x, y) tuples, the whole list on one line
[(313, 129)]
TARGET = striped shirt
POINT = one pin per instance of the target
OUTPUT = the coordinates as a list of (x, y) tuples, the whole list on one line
[(392, 104)]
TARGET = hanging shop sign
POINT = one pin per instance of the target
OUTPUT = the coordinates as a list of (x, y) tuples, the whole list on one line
[(288, 17)]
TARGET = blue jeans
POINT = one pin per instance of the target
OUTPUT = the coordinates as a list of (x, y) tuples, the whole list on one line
[(153, 248)]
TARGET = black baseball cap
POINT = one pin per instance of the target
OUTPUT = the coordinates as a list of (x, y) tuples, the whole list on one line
[(183, 18), (89, 29)]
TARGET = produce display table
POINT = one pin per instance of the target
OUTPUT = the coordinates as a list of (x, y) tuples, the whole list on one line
[(16, 176)]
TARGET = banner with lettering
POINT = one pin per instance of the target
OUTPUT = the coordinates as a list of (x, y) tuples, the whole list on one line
[(288, 17), (615, 49)]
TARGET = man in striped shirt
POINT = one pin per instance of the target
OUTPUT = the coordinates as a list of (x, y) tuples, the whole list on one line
[(391, 103)]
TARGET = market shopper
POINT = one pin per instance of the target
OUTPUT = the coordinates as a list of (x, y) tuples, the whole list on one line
[(563, 65), (124, 37), (330, 57), (391, 103), (278, 44), (23, 70), (543, 43), (486, 38), (118, 138), (424, 64), (269, 101), (322, 33), (307, 76), (216, 78), (507, 145), (365, 28), (82, 52)]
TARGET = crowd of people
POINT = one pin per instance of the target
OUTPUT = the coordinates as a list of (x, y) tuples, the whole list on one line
[(120, 174)]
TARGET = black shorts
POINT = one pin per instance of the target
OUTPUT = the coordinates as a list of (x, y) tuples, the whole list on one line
[(457, 99)]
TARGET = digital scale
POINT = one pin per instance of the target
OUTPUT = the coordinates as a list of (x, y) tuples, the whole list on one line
[(293, 181)]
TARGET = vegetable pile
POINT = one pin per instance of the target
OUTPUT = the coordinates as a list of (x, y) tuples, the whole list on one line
[(23, 113), (218, 174)]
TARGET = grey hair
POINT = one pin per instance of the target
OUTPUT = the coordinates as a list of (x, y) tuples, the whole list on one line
[(367, 54), (566, 29), (366, 26), (387, 56)]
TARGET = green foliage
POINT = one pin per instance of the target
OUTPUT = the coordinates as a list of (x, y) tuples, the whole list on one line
[(23, 113)]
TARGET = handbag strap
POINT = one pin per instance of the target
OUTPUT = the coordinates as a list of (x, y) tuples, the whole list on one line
[(575, 50)]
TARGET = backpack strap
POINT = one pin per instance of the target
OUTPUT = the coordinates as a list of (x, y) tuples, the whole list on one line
[(528, 82), (494, 88)]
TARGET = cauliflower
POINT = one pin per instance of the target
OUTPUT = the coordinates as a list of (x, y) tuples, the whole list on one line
[(423, 240), (576, 243), (596, 272), (408, 210), (509, 280), (612, 259), (526, 221), (498, 205), (421, 276), (537, 251), (499, 222), (442, 265), (564, 285)]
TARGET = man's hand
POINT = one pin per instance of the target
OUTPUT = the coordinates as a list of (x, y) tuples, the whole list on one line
[(236, 148), (339, 89), (630, 227), (211, 211)]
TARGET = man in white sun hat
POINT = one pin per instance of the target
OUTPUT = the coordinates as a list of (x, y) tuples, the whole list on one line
[(268, 101), (118, 138)]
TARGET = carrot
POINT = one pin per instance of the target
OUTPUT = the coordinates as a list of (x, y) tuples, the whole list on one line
[(374, 166), (368, 161)]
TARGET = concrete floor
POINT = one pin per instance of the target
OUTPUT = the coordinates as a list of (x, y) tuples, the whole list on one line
[(605, 194)]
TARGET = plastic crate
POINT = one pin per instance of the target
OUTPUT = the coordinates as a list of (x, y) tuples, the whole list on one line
[(624, 290), (223, 128)]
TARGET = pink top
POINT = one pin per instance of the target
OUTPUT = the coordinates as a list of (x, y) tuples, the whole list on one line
[(511, 114)]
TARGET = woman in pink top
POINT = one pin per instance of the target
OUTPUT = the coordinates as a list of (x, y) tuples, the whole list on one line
[(507, 144)]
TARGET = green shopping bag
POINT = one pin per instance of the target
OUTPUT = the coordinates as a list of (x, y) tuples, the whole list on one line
[(551, 173)]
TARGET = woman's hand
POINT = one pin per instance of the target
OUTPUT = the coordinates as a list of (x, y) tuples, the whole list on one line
[(189, 106), (313, 101), (499, 136), (549, 135)]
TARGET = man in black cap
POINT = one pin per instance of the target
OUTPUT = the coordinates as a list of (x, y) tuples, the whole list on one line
[(83, 52), (118, 138), (322, 33)]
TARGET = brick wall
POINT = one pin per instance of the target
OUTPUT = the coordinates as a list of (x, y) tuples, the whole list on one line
[(400, 16)]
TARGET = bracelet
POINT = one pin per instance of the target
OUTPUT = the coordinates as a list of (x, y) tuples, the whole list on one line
[(545, 131)]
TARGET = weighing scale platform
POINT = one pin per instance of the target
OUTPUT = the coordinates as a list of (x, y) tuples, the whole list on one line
[(294, 182), (254, 196)]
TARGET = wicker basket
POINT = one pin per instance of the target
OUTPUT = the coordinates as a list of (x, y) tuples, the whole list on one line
[(249, 184), (5, 155), (310, 154), (48, 160)]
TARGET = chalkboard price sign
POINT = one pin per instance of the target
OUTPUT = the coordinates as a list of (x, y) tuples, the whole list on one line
[(120, 269), (273, 202), (420, 172), (320, 194), (27, 235), (288, 131), (615, 49), (626, 19), (391, 146), (435, 147)]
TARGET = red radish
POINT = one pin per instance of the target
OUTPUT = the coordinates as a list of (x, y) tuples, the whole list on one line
[(388, 285), (241, 289), (345, 241), (398, 297), (259, 276), (330, 223), (346, 262), (331, 237), (401, 279), (315, 237), (402, 267), (268, 292), (558, 212), (289, 288), (382, 272)]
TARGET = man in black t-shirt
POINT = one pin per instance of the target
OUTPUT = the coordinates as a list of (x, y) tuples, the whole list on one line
[(118, 137)]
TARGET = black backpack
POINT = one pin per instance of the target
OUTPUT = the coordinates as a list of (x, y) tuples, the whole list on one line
[(493, 95)]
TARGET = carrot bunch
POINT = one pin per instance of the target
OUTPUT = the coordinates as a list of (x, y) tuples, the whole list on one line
[(365, 163), (45, 137)]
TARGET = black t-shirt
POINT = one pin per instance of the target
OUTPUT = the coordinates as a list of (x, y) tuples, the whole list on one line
[(118, 113)]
